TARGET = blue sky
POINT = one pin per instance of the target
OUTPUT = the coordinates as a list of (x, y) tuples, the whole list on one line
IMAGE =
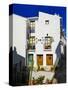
[(32, 10)]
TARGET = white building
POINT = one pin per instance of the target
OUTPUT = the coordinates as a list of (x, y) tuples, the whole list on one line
[(43, 40), (37, 39)]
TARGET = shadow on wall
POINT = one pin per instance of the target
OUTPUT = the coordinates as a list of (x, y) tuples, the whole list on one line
[(58, 51), (58, 54), (60, 71), (18, 72)]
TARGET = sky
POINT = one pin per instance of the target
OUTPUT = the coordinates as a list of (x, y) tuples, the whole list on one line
[(26, 10)]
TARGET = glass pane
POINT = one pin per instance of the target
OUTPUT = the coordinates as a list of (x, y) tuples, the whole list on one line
[(46, 21), (31, 42), (30, 59), (48, 42), (33, 38), (30, 38), (49, 39)]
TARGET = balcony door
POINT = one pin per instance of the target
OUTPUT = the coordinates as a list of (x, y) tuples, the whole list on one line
[(30, 60), (49, 59), (39, 60)]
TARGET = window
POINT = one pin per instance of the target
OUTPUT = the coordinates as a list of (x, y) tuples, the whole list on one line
[(30, 60), (47, 43), (32, 26), (46, 21), (31, 44), (32, 40)]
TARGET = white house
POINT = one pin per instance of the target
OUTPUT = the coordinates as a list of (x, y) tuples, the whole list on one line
[(37, 40), (43, 40)]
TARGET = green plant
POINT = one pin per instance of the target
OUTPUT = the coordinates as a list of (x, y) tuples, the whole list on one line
[(42, 69), (40, 79)]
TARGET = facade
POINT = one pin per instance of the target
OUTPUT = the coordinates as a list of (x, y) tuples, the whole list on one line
[(43, 37), (37, 41), (37, 44)]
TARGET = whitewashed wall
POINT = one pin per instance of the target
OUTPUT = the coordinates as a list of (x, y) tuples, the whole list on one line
[(19, 34), (52, 29), (41, 30)]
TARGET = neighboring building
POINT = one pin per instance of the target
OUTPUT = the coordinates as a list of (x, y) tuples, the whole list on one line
[(17, 35), (62, 42)]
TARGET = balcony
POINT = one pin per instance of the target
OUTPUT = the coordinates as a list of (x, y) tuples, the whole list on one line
[(48, 47), (48, 43), (31, 47), (31, 27), (31, 43)]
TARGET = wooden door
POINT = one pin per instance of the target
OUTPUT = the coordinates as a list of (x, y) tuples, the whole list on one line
[(49, 59), (39, 59)]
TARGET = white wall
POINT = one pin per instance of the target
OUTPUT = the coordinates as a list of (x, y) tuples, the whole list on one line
[(19, 34), (52, 29)]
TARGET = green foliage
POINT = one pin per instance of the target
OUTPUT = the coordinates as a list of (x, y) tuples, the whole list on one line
[(42, 69), (39, 80)]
